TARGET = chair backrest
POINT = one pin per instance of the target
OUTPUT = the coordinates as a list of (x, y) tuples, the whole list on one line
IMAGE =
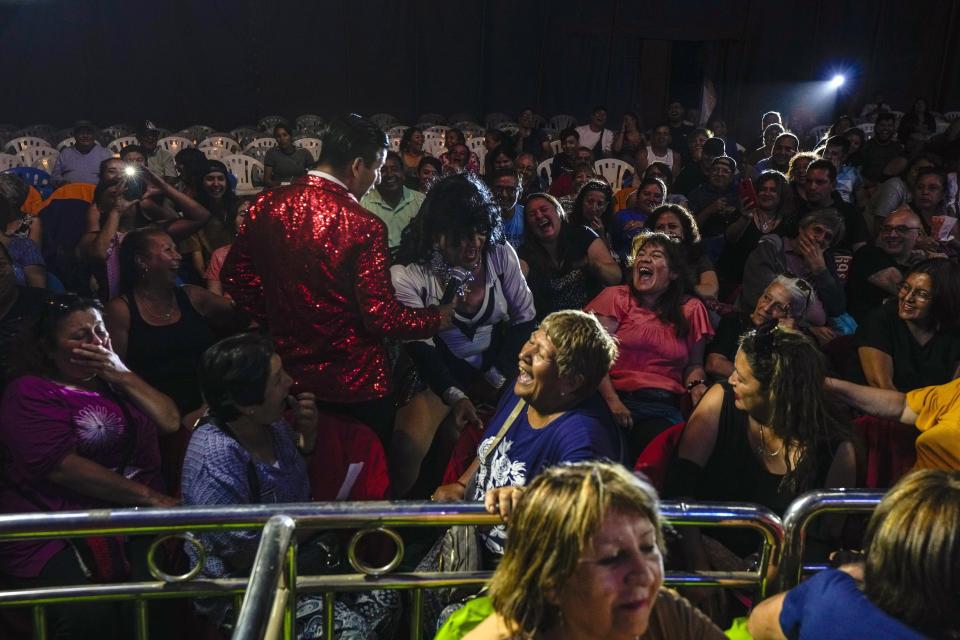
[(257, 153), (394, 135), (509, 127), (471, 130), (30, 155), (613, 171), (267, 123), (478, 146), (68, 142), (213, 152), (383, 120), (248, 171), (561, 121), (45, 163), (543, 170), (8, 161), (462, 117), (227, 144), (44, 131), (493, 119), (115, 131), (309, 122), (313, 145), (117, 145), (950, 116), (17, 145), (244, 135), (265, 143), (439, 128), (867, 128), (175, 144), (433, 142)]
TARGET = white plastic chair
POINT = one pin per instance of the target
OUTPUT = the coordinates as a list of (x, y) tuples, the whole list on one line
[(867, 128), (244, 134), (248, 171), (942, 125), (8, 161), (45, 131), (175, 144), (18, 145), (561, 121), (439, 128), (31, 155), (471, 130), (543, 170), (950, 116), (313, 145), (433, 142), (613, 171), (227, 144), (478, 146), (309, 122), (510, 128), (267, 123), (265, 143), (46, 163), (214, 152), (462, 117), (117, 145), (115, 131), (383, 120), (68, 142)]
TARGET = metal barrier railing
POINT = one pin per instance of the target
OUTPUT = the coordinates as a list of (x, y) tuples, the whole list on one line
[(798, 517), (255, 610), (367, 516)]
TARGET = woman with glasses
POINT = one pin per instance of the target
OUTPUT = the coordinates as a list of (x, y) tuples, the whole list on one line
[(914, 342), (785, 301), (764, 436)]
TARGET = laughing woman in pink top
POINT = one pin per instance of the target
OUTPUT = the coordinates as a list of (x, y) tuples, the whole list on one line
[(662, 333)]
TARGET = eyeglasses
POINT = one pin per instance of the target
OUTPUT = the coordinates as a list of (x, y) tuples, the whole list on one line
[(803, 285), (900, 229), (920, 294)]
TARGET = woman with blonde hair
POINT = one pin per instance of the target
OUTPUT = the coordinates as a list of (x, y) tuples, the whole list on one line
[(585, 560)]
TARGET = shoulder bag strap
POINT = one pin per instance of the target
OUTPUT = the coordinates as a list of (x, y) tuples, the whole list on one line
[(517, 408)]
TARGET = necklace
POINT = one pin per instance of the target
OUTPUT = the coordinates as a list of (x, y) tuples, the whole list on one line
[(765, 224), (762, 448), (171, 307)]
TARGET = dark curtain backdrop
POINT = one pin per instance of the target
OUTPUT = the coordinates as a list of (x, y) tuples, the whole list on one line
[(229, 62)]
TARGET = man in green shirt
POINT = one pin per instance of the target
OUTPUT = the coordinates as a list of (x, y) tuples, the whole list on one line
[(392, 202)]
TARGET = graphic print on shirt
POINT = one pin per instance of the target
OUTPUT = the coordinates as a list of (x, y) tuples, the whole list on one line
[(503, 472), (98, 427)]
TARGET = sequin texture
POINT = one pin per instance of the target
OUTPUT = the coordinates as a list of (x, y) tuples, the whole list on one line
[(311, 265)]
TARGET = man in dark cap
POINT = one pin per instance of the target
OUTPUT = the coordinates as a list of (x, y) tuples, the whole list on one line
[(81, 162), (695, 173), (715, 203), (159, 160)]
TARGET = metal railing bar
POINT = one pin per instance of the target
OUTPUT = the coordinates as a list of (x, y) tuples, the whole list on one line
[(802, 511), (265, 578)]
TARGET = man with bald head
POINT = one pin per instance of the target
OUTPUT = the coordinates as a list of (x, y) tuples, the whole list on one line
[(879, 267)]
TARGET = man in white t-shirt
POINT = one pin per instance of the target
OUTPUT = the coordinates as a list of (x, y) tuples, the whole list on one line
[(594, 136)]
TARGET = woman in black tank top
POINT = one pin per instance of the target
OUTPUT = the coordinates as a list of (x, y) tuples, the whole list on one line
[(161, 330)]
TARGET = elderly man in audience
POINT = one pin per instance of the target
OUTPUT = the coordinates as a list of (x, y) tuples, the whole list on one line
[(81, 162), (878, 268), (310, 265), (695, 173), (391, 201), (159, 160), (594, 135), (819, 192), (784, 147), (715, 203)]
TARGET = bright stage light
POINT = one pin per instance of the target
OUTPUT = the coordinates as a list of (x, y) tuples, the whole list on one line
[(837, 81)]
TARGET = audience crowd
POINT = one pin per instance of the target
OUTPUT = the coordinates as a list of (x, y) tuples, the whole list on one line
[(459, 320)]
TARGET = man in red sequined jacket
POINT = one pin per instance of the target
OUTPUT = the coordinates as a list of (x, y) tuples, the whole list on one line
[(312, 266)]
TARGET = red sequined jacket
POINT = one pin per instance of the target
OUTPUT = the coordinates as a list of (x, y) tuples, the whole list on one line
[(312, 266)]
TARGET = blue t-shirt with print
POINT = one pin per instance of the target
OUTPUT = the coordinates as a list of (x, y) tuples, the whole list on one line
[(513, 228), (830, 605), (585, 432)]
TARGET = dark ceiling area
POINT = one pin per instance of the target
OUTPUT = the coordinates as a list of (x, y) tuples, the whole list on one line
[(225, 63)]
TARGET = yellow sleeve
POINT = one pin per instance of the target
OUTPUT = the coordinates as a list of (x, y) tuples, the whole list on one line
[(930, 403)]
